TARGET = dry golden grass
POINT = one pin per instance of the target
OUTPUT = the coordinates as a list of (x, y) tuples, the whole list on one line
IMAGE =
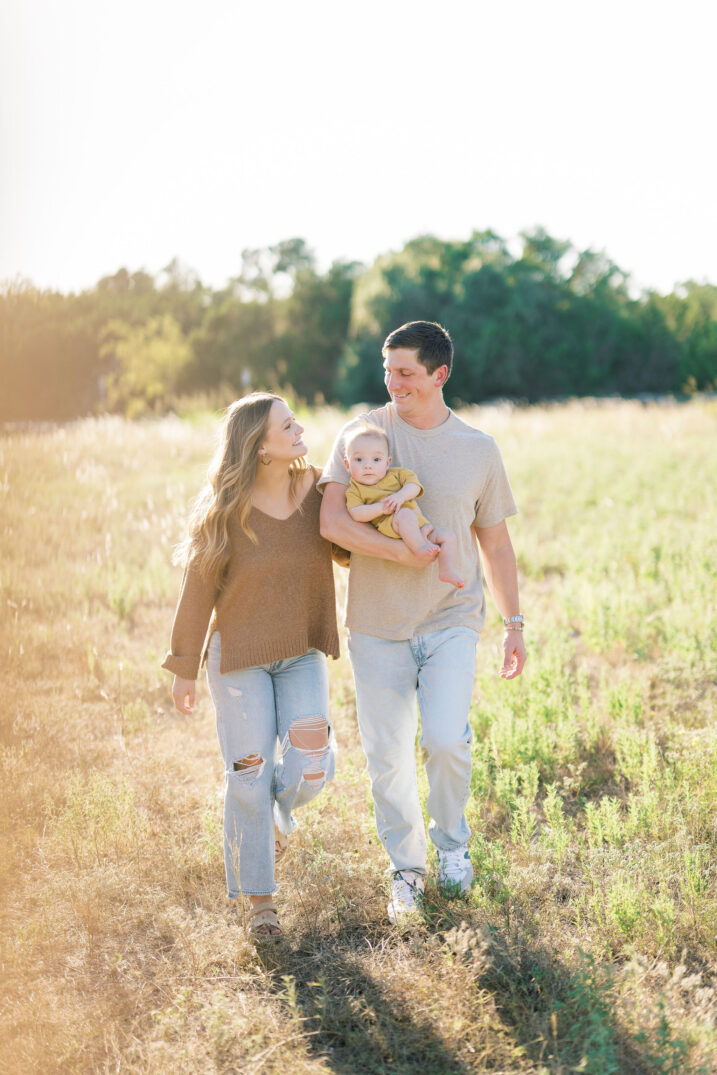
[(588, 941)]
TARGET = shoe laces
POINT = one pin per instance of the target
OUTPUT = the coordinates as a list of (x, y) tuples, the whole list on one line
[(404, 889), (454, 861)]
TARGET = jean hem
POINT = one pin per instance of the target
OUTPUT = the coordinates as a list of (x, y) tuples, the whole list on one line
[(246, 892), (392, 869), (280, 822), (453, 845)]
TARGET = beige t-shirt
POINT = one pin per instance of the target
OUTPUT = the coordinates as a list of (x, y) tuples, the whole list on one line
[(465, 485)]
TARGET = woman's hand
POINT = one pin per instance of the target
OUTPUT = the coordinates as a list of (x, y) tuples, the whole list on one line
[(183, 694)]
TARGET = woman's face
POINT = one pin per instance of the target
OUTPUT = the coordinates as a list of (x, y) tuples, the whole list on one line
[(282, 441)]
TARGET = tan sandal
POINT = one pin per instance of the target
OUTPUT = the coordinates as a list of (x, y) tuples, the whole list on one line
[(262, 920), (281, 842)]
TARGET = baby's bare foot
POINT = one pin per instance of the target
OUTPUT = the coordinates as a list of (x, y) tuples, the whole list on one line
[(449, 575), (427, 551)]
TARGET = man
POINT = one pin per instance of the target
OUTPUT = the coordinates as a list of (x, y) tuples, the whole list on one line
[(412, 636)]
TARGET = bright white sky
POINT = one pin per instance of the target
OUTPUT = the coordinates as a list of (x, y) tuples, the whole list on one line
[(132, 132)]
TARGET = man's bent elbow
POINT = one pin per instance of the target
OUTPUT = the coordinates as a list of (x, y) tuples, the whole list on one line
[(327, 531)]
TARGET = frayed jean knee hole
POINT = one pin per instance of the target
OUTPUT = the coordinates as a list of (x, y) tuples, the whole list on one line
[(309, 735), (248, 770), (314, 777)]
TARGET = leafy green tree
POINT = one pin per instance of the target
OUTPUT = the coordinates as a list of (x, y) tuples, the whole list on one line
[(49, 367), (234, 346), (144, 364), (270, 271), (544, 252), (690, 313), (280, 324), (315, 320), (182, 295), (552, 322), (596, 275)]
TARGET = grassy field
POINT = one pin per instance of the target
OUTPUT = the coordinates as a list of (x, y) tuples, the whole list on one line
[(588, 941)]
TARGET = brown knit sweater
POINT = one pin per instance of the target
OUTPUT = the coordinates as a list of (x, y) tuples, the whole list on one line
[(277, 600)]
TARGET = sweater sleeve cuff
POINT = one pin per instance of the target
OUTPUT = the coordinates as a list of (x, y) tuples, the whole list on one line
[(184, 667), (340, 556)]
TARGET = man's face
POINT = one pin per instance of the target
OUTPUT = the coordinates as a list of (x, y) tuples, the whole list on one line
[(367, 459), (412, 388)]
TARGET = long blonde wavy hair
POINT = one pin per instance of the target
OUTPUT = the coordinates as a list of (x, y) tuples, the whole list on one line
[(230, 478)]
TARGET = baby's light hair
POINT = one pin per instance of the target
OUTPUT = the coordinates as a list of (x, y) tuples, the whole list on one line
[(366, 429)]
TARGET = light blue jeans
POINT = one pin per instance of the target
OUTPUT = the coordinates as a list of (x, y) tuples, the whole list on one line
[(262, 713), (437, 669)]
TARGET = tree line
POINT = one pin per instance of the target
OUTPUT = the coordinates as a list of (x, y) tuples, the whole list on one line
[(547, 322)]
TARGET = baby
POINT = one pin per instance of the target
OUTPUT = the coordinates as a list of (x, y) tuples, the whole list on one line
[(385, 496)]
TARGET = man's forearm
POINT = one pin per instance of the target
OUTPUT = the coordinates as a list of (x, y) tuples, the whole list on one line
[(501, 574), (500, 568)]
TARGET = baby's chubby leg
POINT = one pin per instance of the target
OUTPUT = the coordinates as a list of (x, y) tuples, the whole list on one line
[(405, 523), (447, 555)]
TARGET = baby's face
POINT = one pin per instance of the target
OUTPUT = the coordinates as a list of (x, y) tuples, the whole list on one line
[(367, 460)]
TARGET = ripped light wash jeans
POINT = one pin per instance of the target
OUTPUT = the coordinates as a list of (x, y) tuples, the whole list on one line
[(261, 713), (437, 669)]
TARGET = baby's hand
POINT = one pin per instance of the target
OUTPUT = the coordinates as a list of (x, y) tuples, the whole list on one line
[(391, 503)]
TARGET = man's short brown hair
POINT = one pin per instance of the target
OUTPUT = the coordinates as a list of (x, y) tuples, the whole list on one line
[(428, 338)]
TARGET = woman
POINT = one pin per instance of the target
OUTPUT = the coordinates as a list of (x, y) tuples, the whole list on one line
[(258, 581)]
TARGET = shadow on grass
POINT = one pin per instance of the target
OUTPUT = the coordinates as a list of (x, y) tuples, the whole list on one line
[(557, 1019), (352, 1019), (562, 1017)]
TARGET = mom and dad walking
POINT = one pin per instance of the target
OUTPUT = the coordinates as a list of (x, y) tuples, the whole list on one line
[(257, 603)]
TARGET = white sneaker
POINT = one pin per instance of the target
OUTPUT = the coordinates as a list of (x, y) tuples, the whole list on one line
[(455, 870), (406, 895)]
